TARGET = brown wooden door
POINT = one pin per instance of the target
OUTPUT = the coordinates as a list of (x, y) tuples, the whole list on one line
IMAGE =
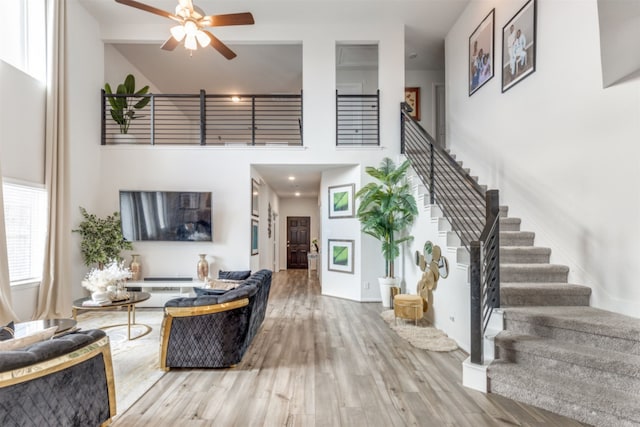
[(297, 241)]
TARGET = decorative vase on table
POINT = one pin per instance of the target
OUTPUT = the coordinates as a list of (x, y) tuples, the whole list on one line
[(135, 267), (100, 295), (203, 268)]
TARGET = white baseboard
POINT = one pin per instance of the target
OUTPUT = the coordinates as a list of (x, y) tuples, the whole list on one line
[(474, 376)]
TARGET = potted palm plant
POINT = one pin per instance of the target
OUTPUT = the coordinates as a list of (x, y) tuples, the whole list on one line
[(387, 208), (123, 108)]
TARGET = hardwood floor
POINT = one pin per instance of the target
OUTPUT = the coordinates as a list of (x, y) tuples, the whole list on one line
[(323, 361)]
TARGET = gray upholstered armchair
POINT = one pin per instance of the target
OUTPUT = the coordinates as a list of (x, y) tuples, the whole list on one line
[(65, 381), (214, 331)]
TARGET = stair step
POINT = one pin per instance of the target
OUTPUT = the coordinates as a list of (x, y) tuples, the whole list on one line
[(510, 224), (581, 325), (615, 370), (533, 273), (524, 254), (587, 402), (543, 294), (516, 238)]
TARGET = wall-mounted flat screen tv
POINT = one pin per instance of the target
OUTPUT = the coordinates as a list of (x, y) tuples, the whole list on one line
[(166, 215)]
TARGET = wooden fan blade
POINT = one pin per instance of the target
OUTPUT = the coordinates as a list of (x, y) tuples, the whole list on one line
[(219, 46), (170, 44), (148, 8), (230, 19)]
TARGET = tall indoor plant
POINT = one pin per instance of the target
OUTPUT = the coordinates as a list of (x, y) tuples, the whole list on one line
[(123, 108), (102, 239), (387, 208)]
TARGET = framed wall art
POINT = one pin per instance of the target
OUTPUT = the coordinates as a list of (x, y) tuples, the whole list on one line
[(519, 46), (412, 98), (255, 198), (341, 201), (254, 236), (340, 255), (481, 57)]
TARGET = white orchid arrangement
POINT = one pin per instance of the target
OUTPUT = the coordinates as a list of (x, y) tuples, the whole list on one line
[(98, 280)]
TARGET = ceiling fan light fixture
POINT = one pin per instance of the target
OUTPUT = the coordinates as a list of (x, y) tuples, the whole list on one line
[(178, 32), (203, 39), (190, 42), (190, 28)]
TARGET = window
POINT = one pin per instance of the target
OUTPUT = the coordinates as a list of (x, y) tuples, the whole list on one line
[(25, 212), (22, 28)]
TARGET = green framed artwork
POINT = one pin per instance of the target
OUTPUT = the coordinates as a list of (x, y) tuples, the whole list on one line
[(341, 201), (340, 255), (254, 237)]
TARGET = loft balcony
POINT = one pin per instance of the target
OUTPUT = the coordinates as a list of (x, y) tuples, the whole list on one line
[(225, 120)]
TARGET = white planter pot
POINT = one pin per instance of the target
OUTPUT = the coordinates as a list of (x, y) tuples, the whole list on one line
[(385, 289), (124, 138)]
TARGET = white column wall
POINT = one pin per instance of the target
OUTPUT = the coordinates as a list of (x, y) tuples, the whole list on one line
[(562, 150)]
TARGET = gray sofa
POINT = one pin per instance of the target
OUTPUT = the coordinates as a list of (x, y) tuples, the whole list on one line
[(214, 331), (65, 381)]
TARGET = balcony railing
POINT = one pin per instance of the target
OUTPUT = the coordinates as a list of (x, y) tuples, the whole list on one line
[(203, 119), (357, 120)]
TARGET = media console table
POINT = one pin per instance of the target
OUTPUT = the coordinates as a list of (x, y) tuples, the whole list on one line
[(162, 290)]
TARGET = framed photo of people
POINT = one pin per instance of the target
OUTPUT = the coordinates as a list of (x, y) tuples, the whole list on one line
[(519, 46), (481, 56)]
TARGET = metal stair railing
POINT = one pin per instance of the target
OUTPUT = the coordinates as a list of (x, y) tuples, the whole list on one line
[(473, 213)]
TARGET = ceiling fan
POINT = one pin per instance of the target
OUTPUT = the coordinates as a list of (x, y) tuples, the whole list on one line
[(192, 22)]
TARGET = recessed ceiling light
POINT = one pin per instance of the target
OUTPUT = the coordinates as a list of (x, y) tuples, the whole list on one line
[(297, 194), (292, 178)]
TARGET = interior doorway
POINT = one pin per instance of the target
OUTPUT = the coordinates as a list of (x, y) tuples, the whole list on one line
[(297, 241)]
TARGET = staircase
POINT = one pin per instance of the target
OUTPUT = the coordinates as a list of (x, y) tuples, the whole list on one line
[(555, 351), (552, 350)]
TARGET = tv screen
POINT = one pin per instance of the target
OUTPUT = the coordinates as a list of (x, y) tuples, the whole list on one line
[(166, 215)]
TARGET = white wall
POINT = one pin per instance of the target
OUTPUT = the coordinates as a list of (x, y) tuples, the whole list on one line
[(425, 80), (562, 150), (298, 206), (335, 283)]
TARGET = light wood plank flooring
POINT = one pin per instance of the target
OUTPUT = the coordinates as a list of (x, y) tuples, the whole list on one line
[(323, 361)]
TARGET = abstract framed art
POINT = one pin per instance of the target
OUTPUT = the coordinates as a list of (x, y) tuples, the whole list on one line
[(519, 46), (341, 201), (412, 98), (340, 255), (481, 56)]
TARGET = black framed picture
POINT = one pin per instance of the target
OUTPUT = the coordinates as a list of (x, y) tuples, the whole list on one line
[(519, 46), (254, 236), (481, 56)]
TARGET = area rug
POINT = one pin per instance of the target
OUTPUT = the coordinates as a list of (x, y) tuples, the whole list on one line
[(136, 363), (423, 336)]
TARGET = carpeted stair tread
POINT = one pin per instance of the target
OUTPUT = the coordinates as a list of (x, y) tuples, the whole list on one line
[(533, 272), (584, 401), (510, 224), (586, 356), (524, 254), (583, 319), (516, 238), (543, 293)]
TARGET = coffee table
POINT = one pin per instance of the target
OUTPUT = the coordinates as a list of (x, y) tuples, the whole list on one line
[(130, 303), (26, 328)]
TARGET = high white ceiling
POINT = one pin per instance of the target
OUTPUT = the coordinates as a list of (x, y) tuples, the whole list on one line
[(266, 67)]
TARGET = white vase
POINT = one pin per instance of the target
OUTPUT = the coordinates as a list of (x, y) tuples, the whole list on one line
[(98, 296), (385, 289)]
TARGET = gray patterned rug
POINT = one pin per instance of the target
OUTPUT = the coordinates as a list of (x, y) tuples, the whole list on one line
[(136, 363), (423, 336)]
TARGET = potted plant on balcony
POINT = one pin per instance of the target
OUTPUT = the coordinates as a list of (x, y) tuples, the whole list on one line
[(102, 239), (123, 108), (387, 208)]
